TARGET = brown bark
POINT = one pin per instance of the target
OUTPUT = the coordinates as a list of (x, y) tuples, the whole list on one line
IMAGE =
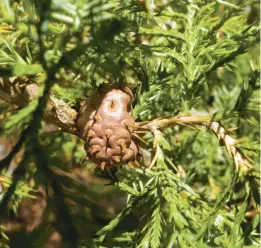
[(20, 92)]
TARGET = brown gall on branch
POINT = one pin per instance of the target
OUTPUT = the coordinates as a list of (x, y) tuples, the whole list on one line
[(106, 125), (241, 161), (20, 92), (114, 137)]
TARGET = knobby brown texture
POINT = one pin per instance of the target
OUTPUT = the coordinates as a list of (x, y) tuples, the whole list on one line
[(106, 125)]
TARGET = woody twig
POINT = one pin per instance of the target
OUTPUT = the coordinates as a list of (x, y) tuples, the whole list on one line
[(241, 161)]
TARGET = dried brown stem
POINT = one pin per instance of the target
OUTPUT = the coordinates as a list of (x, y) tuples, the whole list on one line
[(241, 161), (20, 92)]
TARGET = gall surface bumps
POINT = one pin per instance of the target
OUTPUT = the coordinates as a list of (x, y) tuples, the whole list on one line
[(108, 131)]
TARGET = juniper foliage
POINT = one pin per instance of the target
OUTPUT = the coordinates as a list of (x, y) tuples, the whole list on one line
[(182, 58)]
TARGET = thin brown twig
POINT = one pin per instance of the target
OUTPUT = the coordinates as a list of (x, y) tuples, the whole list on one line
[(241, 161), (56, 112)]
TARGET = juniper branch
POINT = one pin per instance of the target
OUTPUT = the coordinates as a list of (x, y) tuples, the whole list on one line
[(226, 59), (241, 161)]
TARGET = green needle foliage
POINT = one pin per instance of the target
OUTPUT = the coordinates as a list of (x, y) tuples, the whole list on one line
[(181, 59)]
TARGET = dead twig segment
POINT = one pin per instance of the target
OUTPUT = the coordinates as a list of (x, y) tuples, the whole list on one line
[(20, 92), (241, 161)]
